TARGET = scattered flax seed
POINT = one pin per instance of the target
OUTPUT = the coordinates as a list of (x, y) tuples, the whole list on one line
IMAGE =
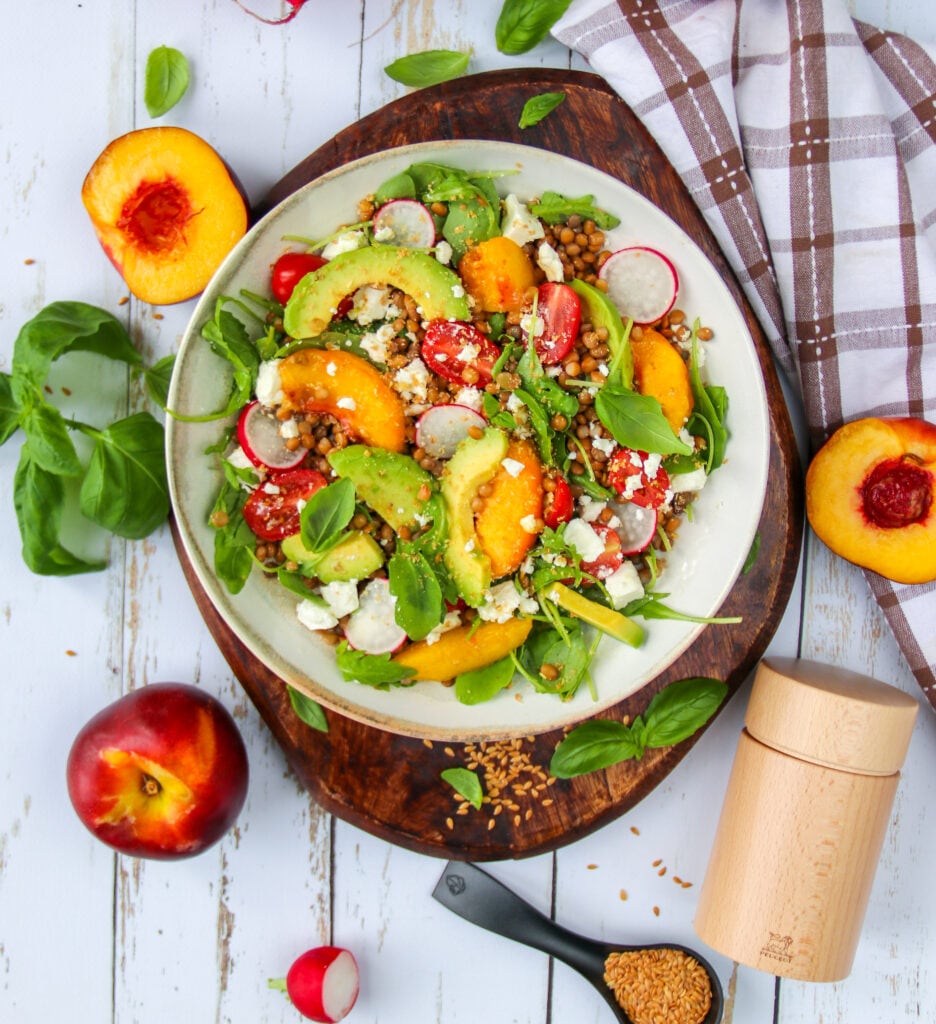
[(656, 911), (623, 895), (659, 986), (592, 867), (157, 316), (427, 743), (29, 261), (686, 885), (677, 879), (66, 391), (449, 824), (635, 830), (123, 300), (449, 752), (658, 862), (491, 824), (71, 653), (662, 871)]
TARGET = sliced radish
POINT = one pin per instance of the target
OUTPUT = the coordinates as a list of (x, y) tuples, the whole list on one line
[(259, 435), (641, 282), (442, 428), (405, 222), (637, 527), (372, 628), (323, 983)]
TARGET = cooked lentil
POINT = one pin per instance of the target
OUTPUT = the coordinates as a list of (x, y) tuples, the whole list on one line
[(659, 986)]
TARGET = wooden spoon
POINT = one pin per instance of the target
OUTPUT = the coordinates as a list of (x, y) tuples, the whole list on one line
[(476, 896)]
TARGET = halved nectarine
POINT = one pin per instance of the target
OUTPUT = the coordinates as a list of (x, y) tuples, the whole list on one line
[(870, 494), (350, 389), (661, 372), (165, 209), (515, 502)]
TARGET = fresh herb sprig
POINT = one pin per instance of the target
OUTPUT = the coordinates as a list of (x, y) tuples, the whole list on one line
[(166, 80), (123, 487), (523, 24), (430, 67), (673, 715), (539, 106)]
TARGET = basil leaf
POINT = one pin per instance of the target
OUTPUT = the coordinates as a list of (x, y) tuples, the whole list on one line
[(637, 421), (377, 670), (166, 79), (466, 784), (9, 408), (227, 336), (47, 439), (707, 417), (326, 514), (566, 652), (594, 745), (522, 24), (400, 186), (429, 67), (125, 488), (64, 327), (157, 379), (537, 107), (39, 500), (752, 554), (484, 683), (681, 709), (419, 605), (234, 541), (308, 710), (650, 606), (555, 208)]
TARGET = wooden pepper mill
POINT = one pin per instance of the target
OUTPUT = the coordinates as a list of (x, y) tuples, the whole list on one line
[(804, 818)]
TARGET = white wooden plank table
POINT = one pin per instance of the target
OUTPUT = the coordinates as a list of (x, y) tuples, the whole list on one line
[(92, 937)]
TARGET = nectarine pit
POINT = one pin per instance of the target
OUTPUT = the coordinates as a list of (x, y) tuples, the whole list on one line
[(156, 214), (897, 493)]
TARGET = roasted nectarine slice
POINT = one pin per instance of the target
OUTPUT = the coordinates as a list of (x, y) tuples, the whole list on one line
[(348, 388), (464, 649), (166, 210), (870, 494), (661, 372), (497, 274), (512, 514)]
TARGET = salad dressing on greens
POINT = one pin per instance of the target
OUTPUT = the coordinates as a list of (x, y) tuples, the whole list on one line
[(466, 461)]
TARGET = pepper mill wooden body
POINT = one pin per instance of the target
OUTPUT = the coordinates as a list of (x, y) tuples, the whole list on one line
[(804, 818)]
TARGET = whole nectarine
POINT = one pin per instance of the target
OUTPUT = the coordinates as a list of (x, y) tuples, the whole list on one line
[(166, 210), (160, 773), (870, 496)]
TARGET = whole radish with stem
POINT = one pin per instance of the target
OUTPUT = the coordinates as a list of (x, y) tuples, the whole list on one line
[(323, 983)]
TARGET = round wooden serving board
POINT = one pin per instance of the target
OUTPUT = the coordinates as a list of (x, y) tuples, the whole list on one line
[(390, 785)]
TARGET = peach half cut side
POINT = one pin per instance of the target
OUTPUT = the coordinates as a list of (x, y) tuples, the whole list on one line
[(166, 211), (871, 496)]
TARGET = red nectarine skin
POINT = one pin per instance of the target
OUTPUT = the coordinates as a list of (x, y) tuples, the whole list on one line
[(160, 773)]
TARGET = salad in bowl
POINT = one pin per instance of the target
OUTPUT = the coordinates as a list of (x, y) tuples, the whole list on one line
[(467, 430)]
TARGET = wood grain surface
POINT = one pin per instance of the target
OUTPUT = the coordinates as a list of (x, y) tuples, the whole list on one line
[(389, 785)]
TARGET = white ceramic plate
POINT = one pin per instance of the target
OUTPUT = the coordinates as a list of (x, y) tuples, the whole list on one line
[(702, 568)]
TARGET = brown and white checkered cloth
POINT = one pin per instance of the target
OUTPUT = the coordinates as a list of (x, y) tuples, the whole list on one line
[(808, 141)]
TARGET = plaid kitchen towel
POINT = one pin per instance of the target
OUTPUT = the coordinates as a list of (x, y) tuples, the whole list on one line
[(808, 141)]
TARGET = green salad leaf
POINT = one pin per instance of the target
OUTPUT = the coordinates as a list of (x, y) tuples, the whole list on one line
[(430, 67), (166, 80), (538, 107), (523, 24)]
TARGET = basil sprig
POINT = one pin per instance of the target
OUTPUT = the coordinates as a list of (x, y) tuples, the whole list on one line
[(523, 24), (419, 604), (538, 107), (428, 67), (308, 710), (637, 421), (555, 208), (675, 713), (377, 670), (326, 514), (466, 784), (167, 79), (123, 488)]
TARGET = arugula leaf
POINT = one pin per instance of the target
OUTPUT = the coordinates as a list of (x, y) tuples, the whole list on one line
[(482, 684), (377, 670), (308, 710), (555, 208), (166, 80), (673, 715), (651, 606), (538, 107), (326, 514), (566, 652), (157, 379), (466, 784), (428, 67), (523, 24), (227, 336), (125, 489), (39, 500), (637, 421), (419, 605), (711, 403)]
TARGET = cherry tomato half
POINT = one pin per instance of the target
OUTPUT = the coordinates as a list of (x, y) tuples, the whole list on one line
[(559, 311), (289, 270), (559, 509), (611, 559), (628, 476), (459, 352), (272, 511)]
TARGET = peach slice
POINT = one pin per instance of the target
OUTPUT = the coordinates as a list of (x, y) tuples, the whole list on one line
[(464, 649), (514, 502), (348, 388), (870, 496), (660, 371), (497, 274), (166, 210)]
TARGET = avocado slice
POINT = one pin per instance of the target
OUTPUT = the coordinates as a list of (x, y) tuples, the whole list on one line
[(606, 619), (394, 485), (600, 311), (474, 463), (354, 557), (436, 288)]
